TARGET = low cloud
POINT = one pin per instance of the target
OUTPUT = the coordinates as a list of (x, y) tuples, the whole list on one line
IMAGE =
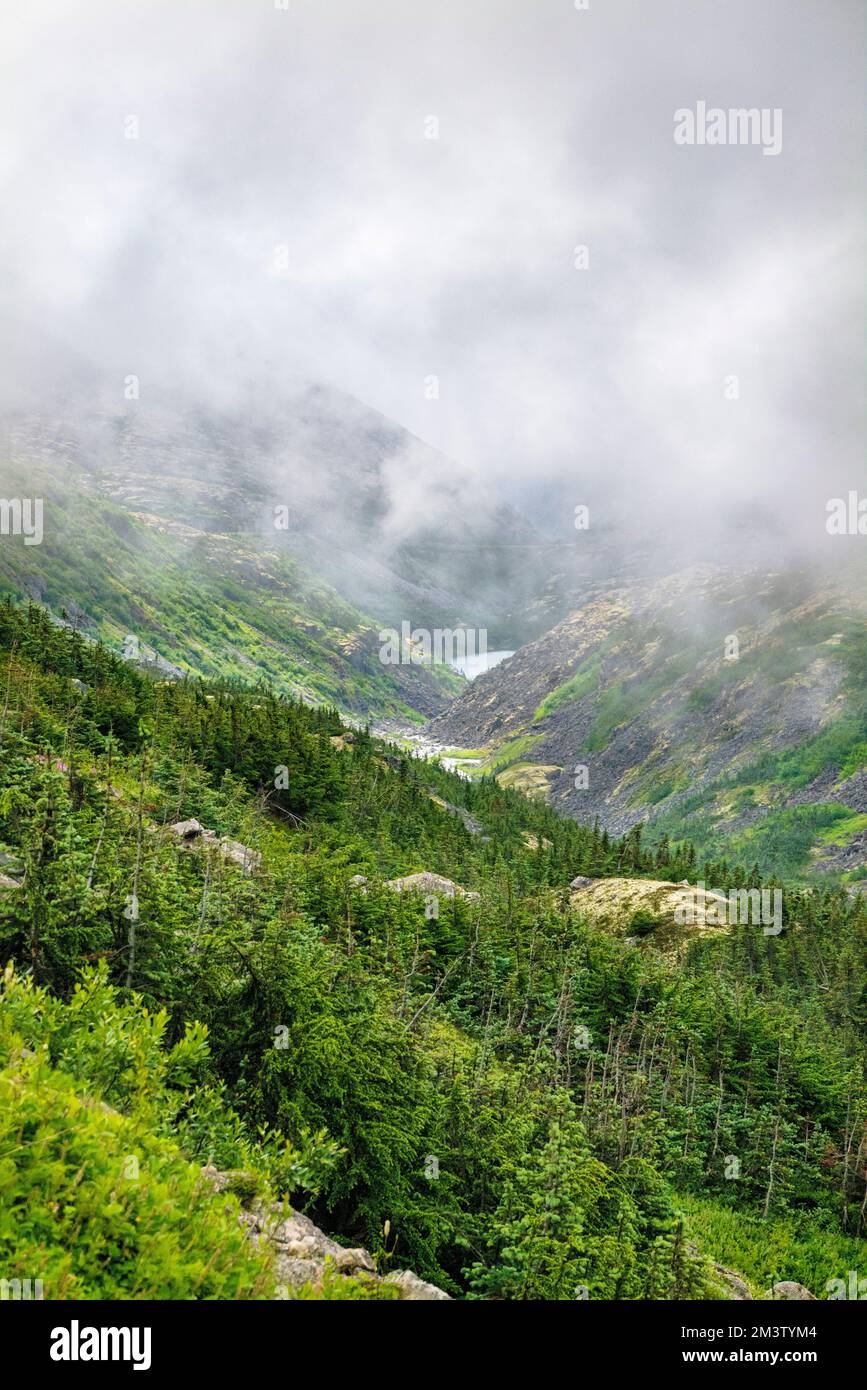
[(280, 213)]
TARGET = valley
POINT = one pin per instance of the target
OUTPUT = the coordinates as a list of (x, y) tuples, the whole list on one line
[(383, 1001), (396, 922), (630, 711)]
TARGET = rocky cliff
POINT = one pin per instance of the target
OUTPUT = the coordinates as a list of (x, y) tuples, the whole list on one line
[(710, 702)]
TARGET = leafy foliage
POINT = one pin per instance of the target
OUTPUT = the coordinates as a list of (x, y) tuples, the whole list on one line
[(528, 1102)]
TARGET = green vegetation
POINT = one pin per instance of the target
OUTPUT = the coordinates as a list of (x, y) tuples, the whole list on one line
[(767, 1251), (584, 682), (576, 1092), (99, 1203), (715, 749), (209, 603), (513, 751), (783, 839), (624, 700)]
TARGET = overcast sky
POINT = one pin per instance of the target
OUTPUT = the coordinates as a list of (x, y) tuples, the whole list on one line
[(408, 257)]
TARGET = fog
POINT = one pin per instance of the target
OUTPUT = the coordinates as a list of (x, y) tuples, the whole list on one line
[(226, 198)]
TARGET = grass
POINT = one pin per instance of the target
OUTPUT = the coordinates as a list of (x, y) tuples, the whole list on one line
[(842, 832), (766, 1252), (626, 699), (515, 750), (529, 778), (213, 605), (582, 683)]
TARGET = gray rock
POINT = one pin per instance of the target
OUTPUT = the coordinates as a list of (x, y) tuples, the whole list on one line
[(246, 858), (301, 1249), (186, 829), (429, 883), (192, 832), (737, 1287), (415, 1290), (790, 1291)]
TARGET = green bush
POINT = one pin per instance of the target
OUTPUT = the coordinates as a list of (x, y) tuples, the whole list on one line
[(97, 1207)]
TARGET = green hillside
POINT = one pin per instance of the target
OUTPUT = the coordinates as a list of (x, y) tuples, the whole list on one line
[(757, 754), (483, 1086), (210, 603)]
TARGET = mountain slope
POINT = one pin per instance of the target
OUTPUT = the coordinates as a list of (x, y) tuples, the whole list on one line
[(398, 529), (640, 707), (419, 1070), (203, 602)]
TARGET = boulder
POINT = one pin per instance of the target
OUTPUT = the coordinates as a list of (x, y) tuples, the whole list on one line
[(301, 1249), (186, 829), (580, 882), (192, 832), (246, 858), (341, 740), (789, 1291), (429, 883), (413, 1289)]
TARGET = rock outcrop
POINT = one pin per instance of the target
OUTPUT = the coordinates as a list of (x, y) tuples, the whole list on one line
[(470, 823), (186, 829), (665, 916), (303, 1252), (789, 1291), (738, 1289), (429, 883), (191, 833)]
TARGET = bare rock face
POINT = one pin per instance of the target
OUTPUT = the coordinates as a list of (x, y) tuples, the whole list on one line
[(7, 882), (193, 834), (301, 1249), (186, 829), (789, 1291), (429, 883), (246, 858), (738, 1288)]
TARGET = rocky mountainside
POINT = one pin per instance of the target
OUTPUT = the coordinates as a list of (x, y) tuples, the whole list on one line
[(183, 600), (395, 527), (709, 704), (414, 1007)]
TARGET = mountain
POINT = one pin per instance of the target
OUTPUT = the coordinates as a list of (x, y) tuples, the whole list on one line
[(194, 602), (534, 1086), (271, 540), (392, 526), (724, 707)]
